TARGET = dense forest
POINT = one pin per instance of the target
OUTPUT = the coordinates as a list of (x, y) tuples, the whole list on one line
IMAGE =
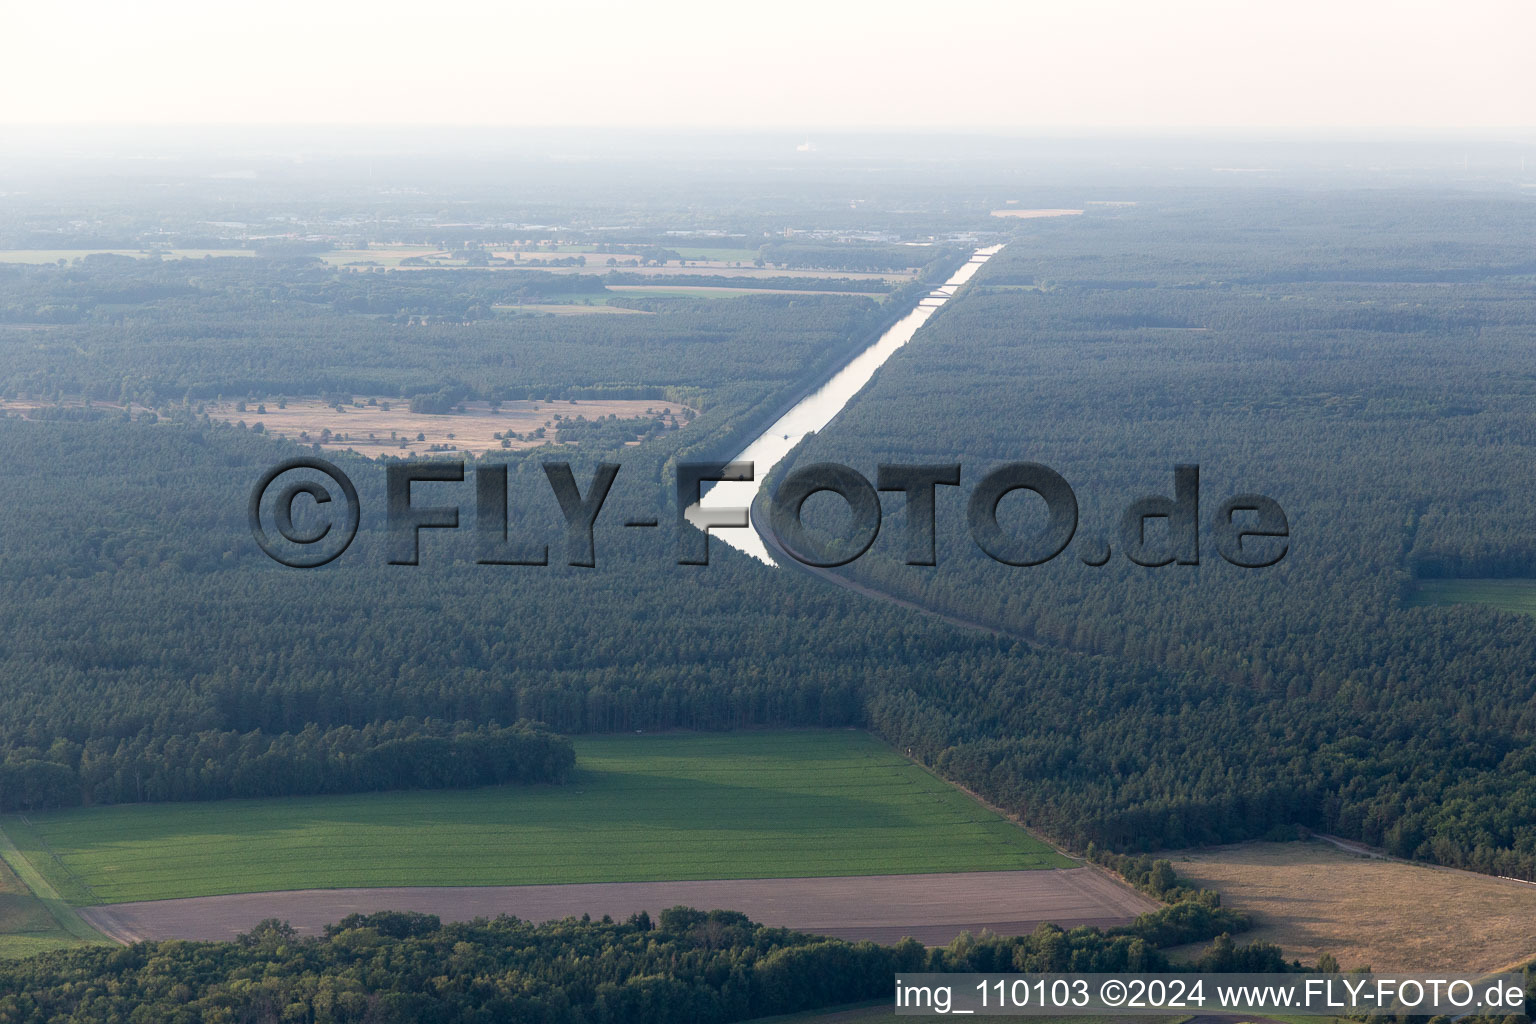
[(214, 765), (118, 329), (1376, 383), (1134, 708), (1379, 390)]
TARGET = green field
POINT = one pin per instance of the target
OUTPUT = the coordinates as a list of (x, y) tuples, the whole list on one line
[(641, 808), (1510, 595), (33, 918)]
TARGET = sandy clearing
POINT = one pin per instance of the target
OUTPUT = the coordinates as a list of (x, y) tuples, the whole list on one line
[(883, 908), (1366, 909), (472, 430)]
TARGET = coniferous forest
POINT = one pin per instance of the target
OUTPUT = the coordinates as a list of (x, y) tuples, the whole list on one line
[(1375, 383), (1383, 406)]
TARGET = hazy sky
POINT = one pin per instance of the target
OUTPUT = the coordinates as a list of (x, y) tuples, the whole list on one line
[(788, 64)]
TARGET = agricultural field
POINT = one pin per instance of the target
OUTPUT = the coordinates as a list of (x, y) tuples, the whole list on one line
[(641, 808), (1313, 898), (381, 255), (1508, 595), (934, 909), (33, 919), (375, 430), (388, 427)]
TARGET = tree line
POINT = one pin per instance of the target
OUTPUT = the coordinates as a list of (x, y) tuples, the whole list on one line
[(220, 765)]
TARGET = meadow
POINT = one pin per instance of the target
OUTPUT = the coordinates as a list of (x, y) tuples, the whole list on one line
[(33, 918), (1507, 595), (641, 808)]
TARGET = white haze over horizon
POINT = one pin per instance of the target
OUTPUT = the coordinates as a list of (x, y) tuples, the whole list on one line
[(793, 65)]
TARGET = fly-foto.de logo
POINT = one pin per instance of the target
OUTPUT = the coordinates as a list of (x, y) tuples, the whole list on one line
[(305, 513)]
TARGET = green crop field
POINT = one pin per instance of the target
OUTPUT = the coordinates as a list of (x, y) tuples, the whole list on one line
[(641, 808), (1510, 595)]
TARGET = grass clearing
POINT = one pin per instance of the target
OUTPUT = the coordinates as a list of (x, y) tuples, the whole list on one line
[(33, 916), (641, 808), (1508, 595), (1312, 898)]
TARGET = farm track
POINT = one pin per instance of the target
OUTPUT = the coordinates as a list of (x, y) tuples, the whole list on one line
[(882, 908)]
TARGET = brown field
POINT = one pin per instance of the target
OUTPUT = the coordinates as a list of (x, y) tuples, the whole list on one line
[(883, 908), (1311, 898), (471, 430), (1031, 214)]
